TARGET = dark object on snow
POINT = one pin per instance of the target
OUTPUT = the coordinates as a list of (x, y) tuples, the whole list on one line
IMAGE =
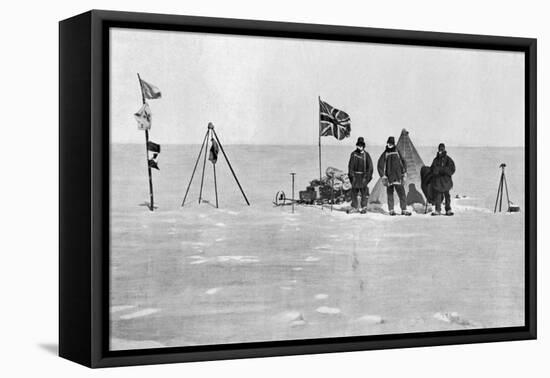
[(308, 196), (414, 196), (426, 178), (443, 167)]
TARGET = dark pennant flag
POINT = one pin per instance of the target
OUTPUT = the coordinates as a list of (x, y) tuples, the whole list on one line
[(153, 163), (153, 147), (333, 122)]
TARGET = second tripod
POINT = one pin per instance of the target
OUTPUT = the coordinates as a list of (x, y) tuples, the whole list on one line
[(502, 186)]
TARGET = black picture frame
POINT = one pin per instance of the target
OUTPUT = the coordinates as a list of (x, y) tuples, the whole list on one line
[(84, 187)]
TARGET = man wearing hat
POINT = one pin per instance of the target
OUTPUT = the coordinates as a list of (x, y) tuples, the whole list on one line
[(393, 168), (360, 171), (443, 167)]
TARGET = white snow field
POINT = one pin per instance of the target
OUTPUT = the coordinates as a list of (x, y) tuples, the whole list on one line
[(198, 275)]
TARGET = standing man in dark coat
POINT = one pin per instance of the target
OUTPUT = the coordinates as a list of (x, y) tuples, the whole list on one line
[(360, 171), (443, 167), (393, 168)]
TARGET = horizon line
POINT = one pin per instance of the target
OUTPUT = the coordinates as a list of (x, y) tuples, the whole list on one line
[(329, 145)]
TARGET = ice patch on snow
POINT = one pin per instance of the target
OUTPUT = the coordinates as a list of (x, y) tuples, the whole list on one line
[(453, 317), (311, 259), (467, 208), (241, 259), (328, 310), (213, 291), (289, 315), (140, 313), (323, 247), (298, 323), (219, 224), (293, 318), (321, 296), (410, 235), (230, 212), (120, 308), (223, 259), (297, 268), (370, 319)]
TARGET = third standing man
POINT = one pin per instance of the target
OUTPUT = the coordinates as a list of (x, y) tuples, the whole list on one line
[(443, 167)]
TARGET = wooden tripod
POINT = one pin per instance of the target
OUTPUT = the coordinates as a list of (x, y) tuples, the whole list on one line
[(211, 135)]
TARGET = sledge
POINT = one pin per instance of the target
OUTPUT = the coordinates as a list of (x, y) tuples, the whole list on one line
[(282, 200)]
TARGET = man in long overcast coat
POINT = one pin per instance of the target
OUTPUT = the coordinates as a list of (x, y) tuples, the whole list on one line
[(360, 171)]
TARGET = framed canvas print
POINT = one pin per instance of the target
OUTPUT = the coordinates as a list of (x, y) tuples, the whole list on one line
[(233, 188)]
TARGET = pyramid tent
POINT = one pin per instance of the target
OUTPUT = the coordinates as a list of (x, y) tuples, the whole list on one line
[(413, 189)]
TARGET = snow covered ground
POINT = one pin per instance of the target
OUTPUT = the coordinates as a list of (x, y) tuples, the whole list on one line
[(199, 275)]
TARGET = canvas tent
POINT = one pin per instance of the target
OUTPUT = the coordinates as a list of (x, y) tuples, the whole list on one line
[(412, 183)]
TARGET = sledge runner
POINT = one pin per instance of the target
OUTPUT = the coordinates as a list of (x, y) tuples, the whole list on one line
[(360, 171), (443, 167), (392, 168)]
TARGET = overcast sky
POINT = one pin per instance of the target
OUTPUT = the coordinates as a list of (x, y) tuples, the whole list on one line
[(265, 90)]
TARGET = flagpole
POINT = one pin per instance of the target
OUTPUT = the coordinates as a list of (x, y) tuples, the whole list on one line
[(320, 170), (152, 201)]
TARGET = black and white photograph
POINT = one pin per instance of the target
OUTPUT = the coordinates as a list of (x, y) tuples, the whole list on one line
[(246, 189), (268, 188)]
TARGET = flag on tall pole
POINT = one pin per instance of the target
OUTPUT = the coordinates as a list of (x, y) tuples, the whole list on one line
[(149, 91), (155, 149), (332, 122), (144, 118)]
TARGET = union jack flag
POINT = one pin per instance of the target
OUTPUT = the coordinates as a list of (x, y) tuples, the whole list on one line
[(333, 121)]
